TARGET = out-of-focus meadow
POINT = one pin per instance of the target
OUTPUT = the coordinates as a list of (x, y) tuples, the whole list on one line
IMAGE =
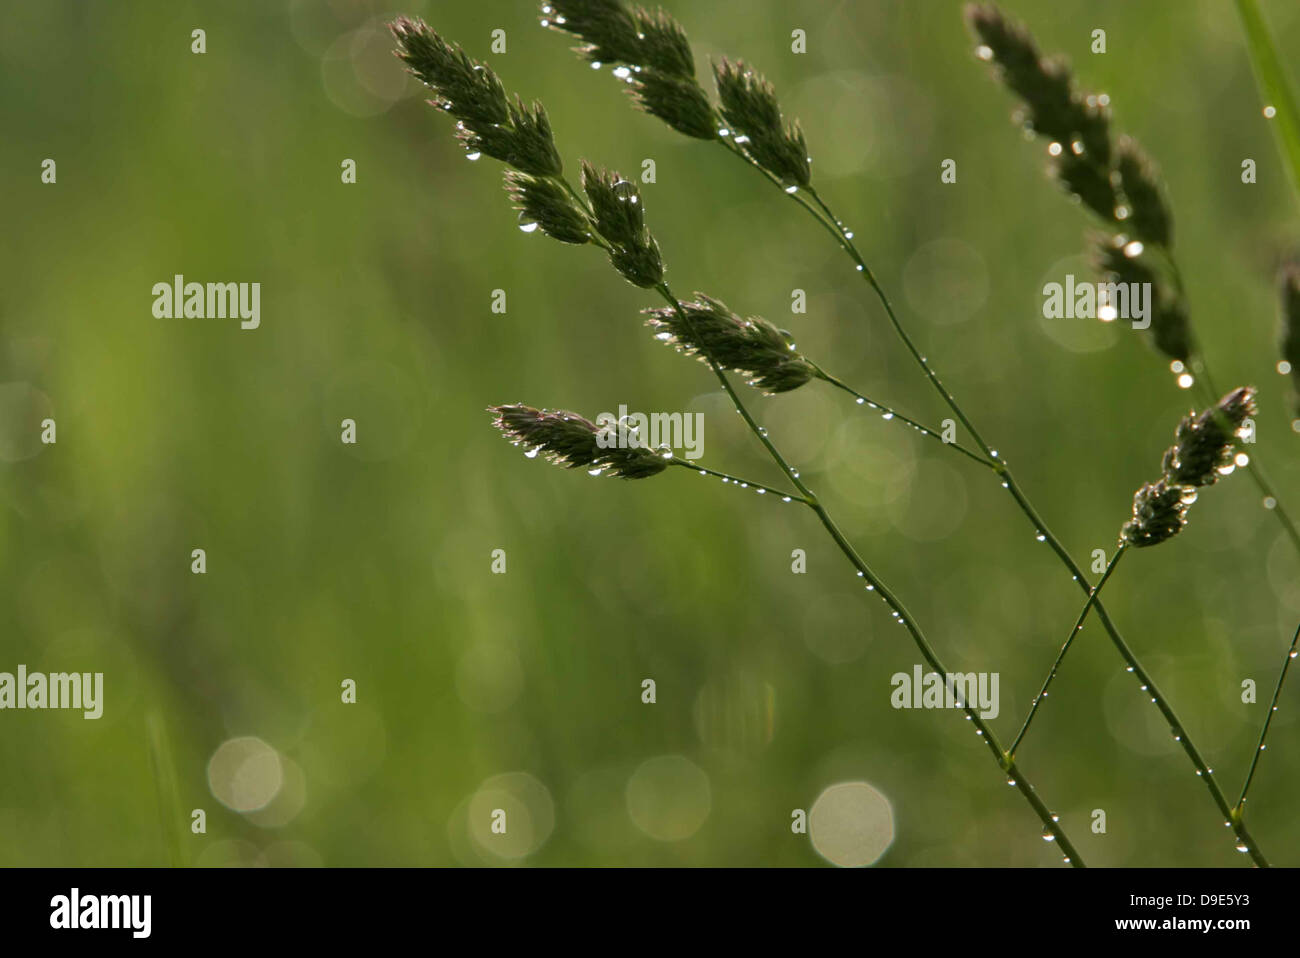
[(372, 562)]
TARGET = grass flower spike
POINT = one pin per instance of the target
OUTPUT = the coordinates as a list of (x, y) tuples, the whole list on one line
[(755, 122), (569, 440), (1116, 181), (1202, 452), (1203, 444), (750, 346), (487, 122)]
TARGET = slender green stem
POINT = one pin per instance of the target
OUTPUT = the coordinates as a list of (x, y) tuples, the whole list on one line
[(1004, 759), (894, 414), (1210, 394), (1203, 770), (164, 778), (831, 223), (1240, 808), (1051, 825), (1093, 596), (742, 483)]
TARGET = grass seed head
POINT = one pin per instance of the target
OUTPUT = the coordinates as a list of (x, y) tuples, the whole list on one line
[(751, 346), (620, 220), (1159, 513), (569, 440), (1203, 445), (679, 103), (606, 26), (487, 121), (544, 201), (751, 110), (1150, 219)]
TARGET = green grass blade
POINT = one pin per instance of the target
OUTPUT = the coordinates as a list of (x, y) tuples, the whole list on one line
[(1273, 85)]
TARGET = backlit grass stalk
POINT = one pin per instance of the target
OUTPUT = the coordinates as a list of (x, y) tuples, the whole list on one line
[(1274, 86), (613, 215), (1202, 452), (1093, 596), (1130, 200), (750, 126), (1240, 808)]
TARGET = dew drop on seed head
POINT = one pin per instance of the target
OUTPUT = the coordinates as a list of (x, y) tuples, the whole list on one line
[(473, 156), (622, 73), (984, 52), (532, 453)]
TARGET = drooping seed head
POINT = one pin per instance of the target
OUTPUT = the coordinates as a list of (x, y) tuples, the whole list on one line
[(465, 88), (631, 36), (1044, 85), (1079, 124), (606, 26), (1114, 257), (679, 103), (751, 346), (751, 111), (1091, 183), (487, 121), (663, 44), (1203, 444), (620, 220), (572, 441), (542, 200), (1150, 219), (1159, 513)]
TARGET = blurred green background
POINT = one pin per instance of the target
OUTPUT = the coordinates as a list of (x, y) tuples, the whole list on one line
[(522, 691)]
